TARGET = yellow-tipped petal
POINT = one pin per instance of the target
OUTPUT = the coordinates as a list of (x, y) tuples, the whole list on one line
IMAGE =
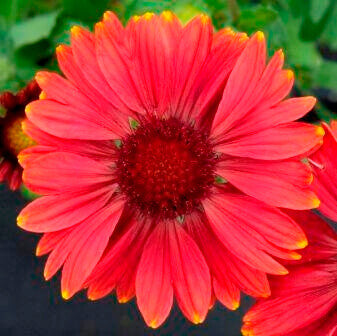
[(65, 295), (284, 272), (260, 36), (28, 109), (302, 244), (76, 30), (295, 256), (99, 25), (153, 324), (60, 48), (290, 74), (320, 131), (123, 299), (37, 251), (43, 95), (196, 318), (204, 18), (315, 203), (106, 16), (136, 18), (148, 16), (243, 37), (235, 305), (20, 221), (167, 16)]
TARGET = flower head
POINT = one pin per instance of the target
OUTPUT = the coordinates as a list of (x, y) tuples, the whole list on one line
[(12, 137), (162, 157), (303, 303)]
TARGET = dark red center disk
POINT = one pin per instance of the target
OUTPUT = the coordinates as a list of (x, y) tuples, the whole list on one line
[(165, 168)]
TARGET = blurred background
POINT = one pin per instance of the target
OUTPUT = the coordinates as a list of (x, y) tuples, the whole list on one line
[(30, 30)]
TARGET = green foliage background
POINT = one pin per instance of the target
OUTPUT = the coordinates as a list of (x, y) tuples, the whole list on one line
[(30, 30)]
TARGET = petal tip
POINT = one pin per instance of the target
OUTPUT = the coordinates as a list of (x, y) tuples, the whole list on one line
[(197, 318), (123, 299), (320, 131), (75, 30), (235, 305), (289, 74), (28, 109), (46, 274), (135, 18), (167, 15), (107, 15), (60, 49), (153, 324), (148, 16), (316, 203), (37, 251), (302, 244), (204, 19), (43, 95), (65, 295), (259, 36), (20, 221)]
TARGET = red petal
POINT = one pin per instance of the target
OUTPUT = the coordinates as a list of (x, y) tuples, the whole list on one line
[(110, 271), (224, 266), (278, 183), (53, 213), (261, 118), (226, 48), (88, 246), (241, 85), (49, 241), (277, 143), (70, 122), (247, 227), (192, 51), (308, 296), (113, 56), (190, 275), (153, 282), (62, 167)]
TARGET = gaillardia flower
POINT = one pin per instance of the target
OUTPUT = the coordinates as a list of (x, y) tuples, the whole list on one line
[(324, 165), (12, 138), (304, 302), (162, 158)]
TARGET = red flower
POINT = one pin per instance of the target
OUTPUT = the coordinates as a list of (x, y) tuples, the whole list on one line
[(324, 165), (12, 138), (303, 303), (148, 214)]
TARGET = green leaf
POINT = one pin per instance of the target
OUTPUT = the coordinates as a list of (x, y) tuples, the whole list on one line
[(329, 35), (33, 30), (61, 33), (299, 53), (27, 194), (325, 76), (85, 10), (257, 18), (324, 113), (317, 9), (7, 71)]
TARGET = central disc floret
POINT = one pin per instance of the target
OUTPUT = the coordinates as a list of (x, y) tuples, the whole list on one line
[(14, 140), (165, 168)]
